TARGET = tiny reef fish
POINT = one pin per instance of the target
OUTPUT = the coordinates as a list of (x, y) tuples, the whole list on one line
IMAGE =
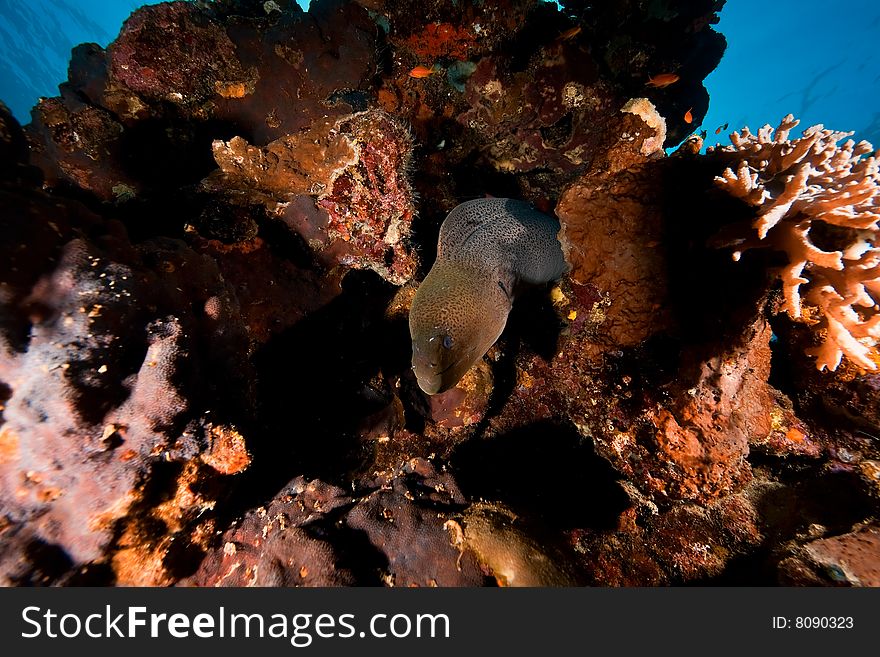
[(421, 72), (570, 33), (688, 117), (488, 249), (662, 80), (720, 128)]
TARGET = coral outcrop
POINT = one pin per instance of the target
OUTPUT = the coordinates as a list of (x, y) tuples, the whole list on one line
[(356, 168), (634, 43)]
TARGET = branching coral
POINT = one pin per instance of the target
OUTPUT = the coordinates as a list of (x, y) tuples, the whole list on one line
[(809, 193)]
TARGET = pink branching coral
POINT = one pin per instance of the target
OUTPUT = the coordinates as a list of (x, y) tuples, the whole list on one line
[(811, 191)]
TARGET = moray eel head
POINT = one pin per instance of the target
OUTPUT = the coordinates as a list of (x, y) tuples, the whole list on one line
[(456, 316), (438, 367)]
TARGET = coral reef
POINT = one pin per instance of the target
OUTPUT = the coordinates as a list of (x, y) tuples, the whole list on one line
[(634, 43), (204, 56), (212, 239), (112, 360), (407, 520), (613, 242)]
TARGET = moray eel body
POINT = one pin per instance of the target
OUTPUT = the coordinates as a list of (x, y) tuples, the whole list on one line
[(488, 248)]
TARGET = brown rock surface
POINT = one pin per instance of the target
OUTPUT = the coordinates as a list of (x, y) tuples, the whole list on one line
[(851, 559)]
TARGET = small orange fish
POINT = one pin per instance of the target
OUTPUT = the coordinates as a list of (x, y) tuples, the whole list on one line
[(662, 80), (720, 128), (421, 72), (688, 117), (570, 33)]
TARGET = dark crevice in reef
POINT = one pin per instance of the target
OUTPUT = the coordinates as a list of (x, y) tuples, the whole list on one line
[(308, 423), (473, 179), (754, 569), (356, 553), (531, 325), (545, 26), (534, 321), (783, 374), (558, 134), (811, 503), (183, 559), (158, 216), (833, 500), (728, 290), (48, 563), (286, 245), (537, 471), (98, 574), (165, 155)]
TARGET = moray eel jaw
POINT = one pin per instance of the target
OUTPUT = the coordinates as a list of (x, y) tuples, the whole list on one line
[(426, 365), (437, 372)]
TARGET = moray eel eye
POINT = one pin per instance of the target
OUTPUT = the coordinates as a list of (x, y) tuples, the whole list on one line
[(447, 342)]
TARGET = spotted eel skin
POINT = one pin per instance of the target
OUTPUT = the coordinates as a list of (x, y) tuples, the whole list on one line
[(488, 249)]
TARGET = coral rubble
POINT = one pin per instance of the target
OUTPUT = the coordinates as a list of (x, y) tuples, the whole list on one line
[(212, 238)]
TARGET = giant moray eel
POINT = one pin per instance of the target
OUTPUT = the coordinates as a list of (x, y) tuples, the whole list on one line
[(488, 249)]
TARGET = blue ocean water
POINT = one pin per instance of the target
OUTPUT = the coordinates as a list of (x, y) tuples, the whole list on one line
[(816, 60), (783, 56), (36, 37)]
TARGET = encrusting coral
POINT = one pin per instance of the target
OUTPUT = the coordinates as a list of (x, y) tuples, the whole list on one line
[(809, 193), (357, 167)]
